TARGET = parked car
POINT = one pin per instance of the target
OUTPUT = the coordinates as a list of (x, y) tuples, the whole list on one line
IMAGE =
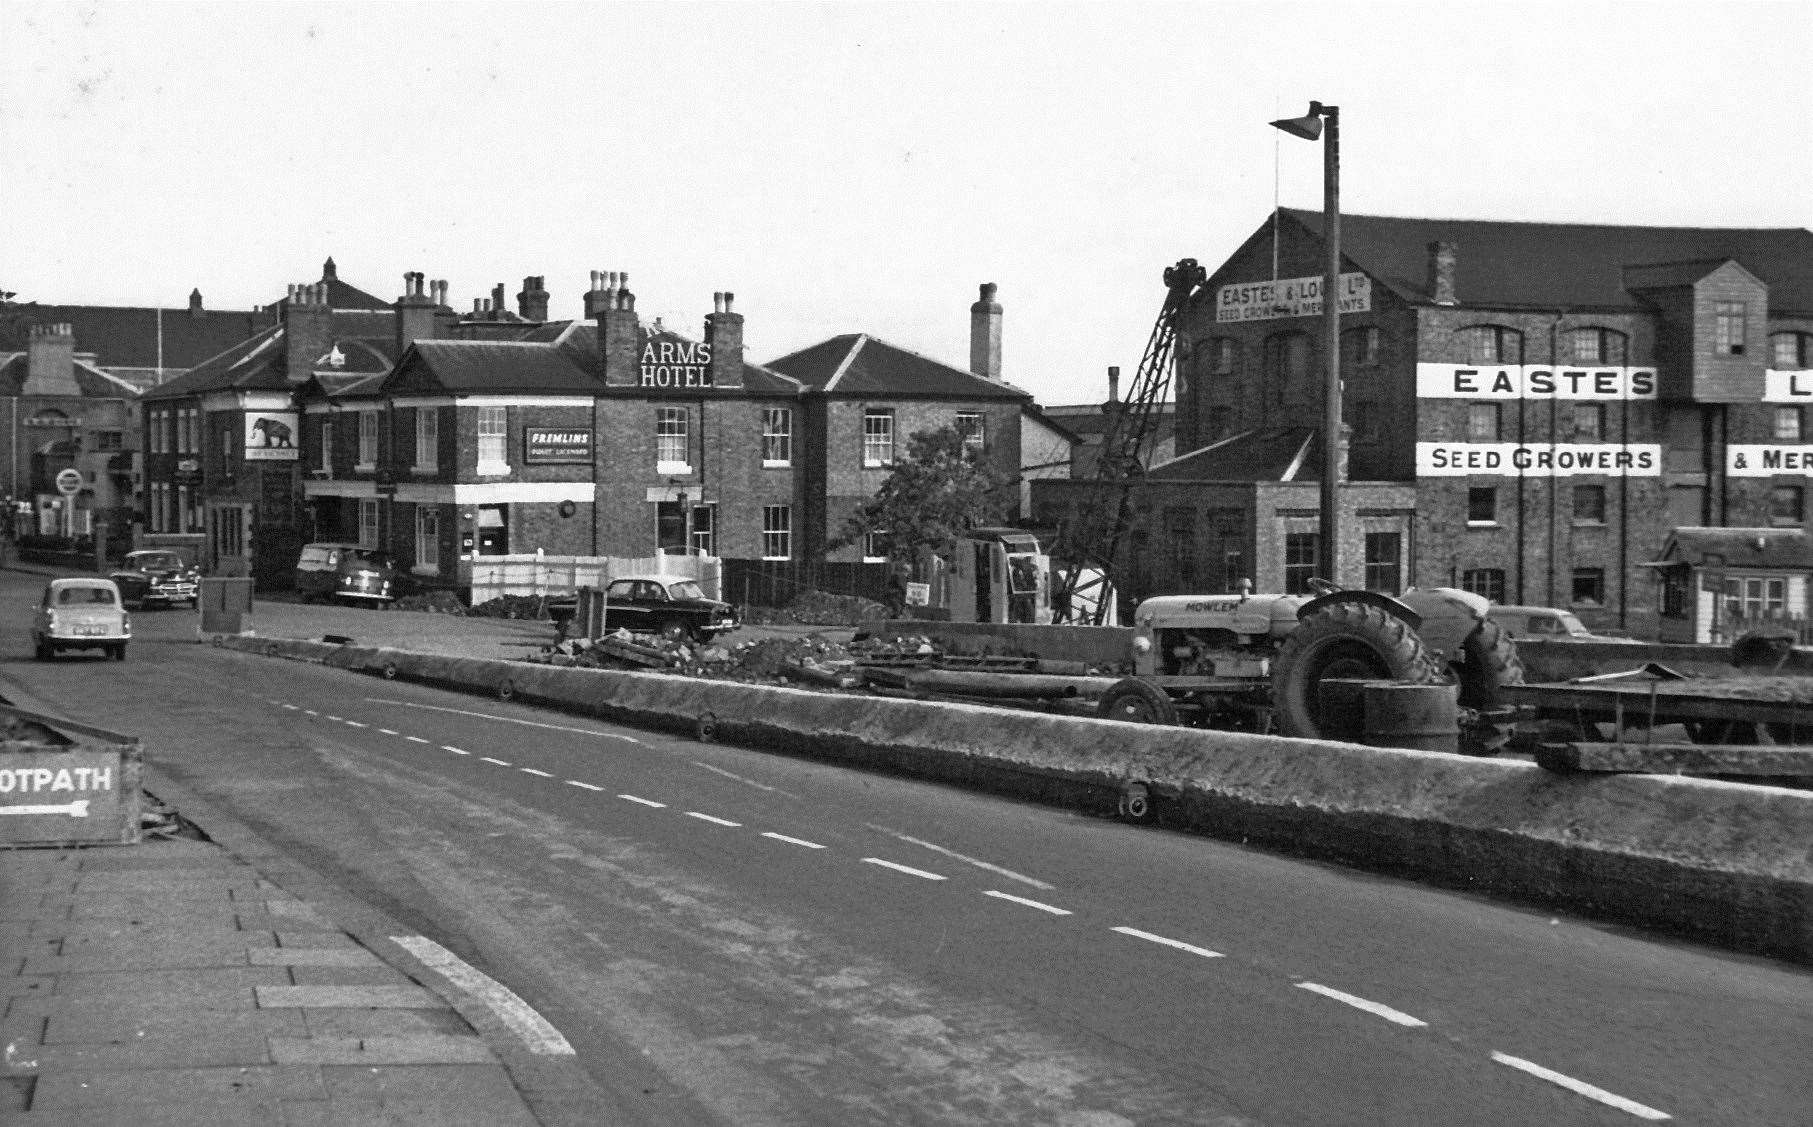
[(84, 613), (157, 576), (347, 573), (677, 609), (1537, 624)]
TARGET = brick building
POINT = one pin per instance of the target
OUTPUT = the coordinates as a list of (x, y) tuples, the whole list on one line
[(1557, 398)]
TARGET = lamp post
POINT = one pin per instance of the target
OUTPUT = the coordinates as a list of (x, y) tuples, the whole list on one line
[(1310, 127)]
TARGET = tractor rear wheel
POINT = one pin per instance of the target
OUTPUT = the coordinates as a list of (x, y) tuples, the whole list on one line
[(1137, 702), (1342, 640), (1490, 663)]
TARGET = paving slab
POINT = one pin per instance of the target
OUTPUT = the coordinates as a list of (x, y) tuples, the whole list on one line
[(109, 1025), (418, 1112), (207, 988), (204, 1046), (99, 1088), (378, 1051), (313, 957), (350, 997), (324, 1022)]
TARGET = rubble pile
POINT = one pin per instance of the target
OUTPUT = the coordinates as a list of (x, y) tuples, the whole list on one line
[(434, 602), (818, 608), (529, 608), (815, 660)]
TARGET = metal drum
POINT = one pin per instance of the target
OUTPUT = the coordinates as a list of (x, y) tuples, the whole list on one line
[(1418, 717)]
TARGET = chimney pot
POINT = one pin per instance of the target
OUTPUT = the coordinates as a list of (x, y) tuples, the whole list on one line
[(717, 302)]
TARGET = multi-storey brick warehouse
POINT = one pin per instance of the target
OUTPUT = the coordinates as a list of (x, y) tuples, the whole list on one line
[(1560, 398)]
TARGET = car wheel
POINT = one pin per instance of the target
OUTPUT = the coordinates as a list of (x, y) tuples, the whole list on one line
[(675, 631)]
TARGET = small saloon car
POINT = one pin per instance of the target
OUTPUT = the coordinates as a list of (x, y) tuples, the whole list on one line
[(157, 576), (346, 573), (81, 614), (676, 609)]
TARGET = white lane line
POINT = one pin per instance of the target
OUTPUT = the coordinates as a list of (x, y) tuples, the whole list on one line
[(1398, 1017), (644, 801), (390, 731), (416, 739), (939, 849), (793, 840), (533, 771), (336, 719), (356, 724), (454, 750), (1029, 903), (902, 869), (292, 707), (583, 786), (1177, 943), (499, 762), (504, 719), (712, 820), (310, 712), (536, 1031), (1608, 1098), (741, 779)]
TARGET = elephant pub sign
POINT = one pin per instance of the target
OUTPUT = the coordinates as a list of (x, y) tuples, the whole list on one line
[(270, 436)]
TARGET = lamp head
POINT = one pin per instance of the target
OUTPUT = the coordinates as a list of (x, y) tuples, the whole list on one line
[(1308, 127)]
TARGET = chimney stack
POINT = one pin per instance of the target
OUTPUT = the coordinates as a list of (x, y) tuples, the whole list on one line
[(724, 336), (50, 358), (532, 302), (619, 331), (497, 302), (416, 312), (308, 329), (985, 334), (1441, 273), (195, 310), (1114, 384)]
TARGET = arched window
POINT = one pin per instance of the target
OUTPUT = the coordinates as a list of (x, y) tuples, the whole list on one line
[(1286, 365), (1596, 346), (1494, 344), (1790, 352)]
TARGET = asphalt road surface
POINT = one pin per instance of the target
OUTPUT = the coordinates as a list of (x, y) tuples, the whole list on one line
[(747, 938)]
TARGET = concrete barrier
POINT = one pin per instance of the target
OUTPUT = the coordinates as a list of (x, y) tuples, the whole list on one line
[(1723, 862)]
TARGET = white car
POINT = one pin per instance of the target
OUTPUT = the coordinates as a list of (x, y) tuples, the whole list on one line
[(81, 614), (1540, 624)]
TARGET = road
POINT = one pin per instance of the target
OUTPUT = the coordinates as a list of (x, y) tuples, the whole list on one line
[(748, 938)]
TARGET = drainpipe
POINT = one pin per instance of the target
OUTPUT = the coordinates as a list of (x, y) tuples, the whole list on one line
[(1554, 479)]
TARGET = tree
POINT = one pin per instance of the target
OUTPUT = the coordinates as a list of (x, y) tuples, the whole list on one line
[(943, 487)]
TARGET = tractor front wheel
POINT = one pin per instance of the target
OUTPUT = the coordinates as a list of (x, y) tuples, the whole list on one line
[(1137, 702)]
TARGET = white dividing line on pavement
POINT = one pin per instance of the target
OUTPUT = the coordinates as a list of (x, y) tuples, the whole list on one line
[(941, 850), (1030, 903), (390, 731), (643, 801), (416, 739), (356, 724), (911, 872), (499, 762), (292, 707), (504, 719), (535, 1030), (741, 779), (712, 820), (793, 840), (454, 750), (1177, 943), (336, 719), (533, 771), (1398, 1017), (310, 712), (582, 786), (1582, 1087)]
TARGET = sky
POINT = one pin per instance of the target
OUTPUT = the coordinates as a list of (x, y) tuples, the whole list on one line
[(852, 167)]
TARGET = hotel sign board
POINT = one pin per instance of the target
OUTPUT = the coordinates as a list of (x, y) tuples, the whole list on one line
[(1534, 381), (1289, 297), (546, 446), (1538, 459)]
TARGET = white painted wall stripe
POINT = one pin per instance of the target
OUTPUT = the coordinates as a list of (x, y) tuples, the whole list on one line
[(1608, 1098), (584, 786), (793, 840), (903, 869), (1398, 1017), (644, 801), (712, 820), (536, 1031), (1029, 903), (1177, 943)]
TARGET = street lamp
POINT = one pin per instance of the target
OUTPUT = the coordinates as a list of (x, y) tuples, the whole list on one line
[(1310, 127)]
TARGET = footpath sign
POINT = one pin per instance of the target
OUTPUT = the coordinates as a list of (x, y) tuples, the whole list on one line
[(63, 783)]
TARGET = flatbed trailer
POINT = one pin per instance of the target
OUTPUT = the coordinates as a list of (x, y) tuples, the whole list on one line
[(1709, 715)]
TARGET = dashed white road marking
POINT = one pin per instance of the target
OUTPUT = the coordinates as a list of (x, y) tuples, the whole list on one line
[(390, 731), (585, 786), (356, 724), (712, 820), (1030, 903), (533, 771), (1177, 943), (1398, 1017), (499, 762), (505, 719), (536, 1031), (310, 712), (334, 718), (416, 739), (454, 750), (793, 840), (939, 849), (1582, 1087), (643, 801), (293, 707), (903, 869), (741, 779)]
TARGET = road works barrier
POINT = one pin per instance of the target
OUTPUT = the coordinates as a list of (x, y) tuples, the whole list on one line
[(1728, 863)]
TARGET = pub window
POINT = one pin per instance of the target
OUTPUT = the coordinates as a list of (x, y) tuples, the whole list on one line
[(1791, 351), (1492, 344), (1299, 561), (1482, 422), (704, 539), (427, 438), (672, 444), (1728, 328), (1487, 582), (1787, 424), (877, 438), (368, 439), (969, 425), (327, 447), (368, 522), (777, 532), (777, 436), (428, 537), (1384, 561), (1482, 504), (1589, 420), (493, 451), (1787, 506), (1755, 596), (1589, 587), (1589, 504), (107, 440)]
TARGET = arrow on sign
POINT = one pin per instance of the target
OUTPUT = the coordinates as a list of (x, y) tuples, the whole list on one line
[(76, 809)]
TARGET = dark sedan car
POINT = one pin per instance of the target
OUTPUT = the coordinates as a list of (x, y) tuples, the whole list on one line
[(154, 576), (677, 609)]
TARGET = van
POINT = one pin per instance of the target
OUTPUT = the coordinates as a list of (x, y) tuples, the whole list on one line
[(347, 573)]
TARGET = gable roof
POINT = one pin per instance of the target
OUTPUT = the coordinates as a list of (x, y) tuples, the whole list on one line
[(261, 363), (505, 367), (856, 364), (1550, 265), (1266, 454), (340, 295)]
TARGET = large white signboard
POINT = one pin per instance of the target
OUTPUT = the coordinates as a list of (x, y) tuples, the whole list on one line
[(1768, 460), (1538, 459), (1533, 381), (1289, 297), (1794, 386)]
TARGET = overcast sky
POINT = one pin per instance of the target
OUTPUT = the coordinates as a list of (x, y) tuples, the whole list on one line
[(853, 167)]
